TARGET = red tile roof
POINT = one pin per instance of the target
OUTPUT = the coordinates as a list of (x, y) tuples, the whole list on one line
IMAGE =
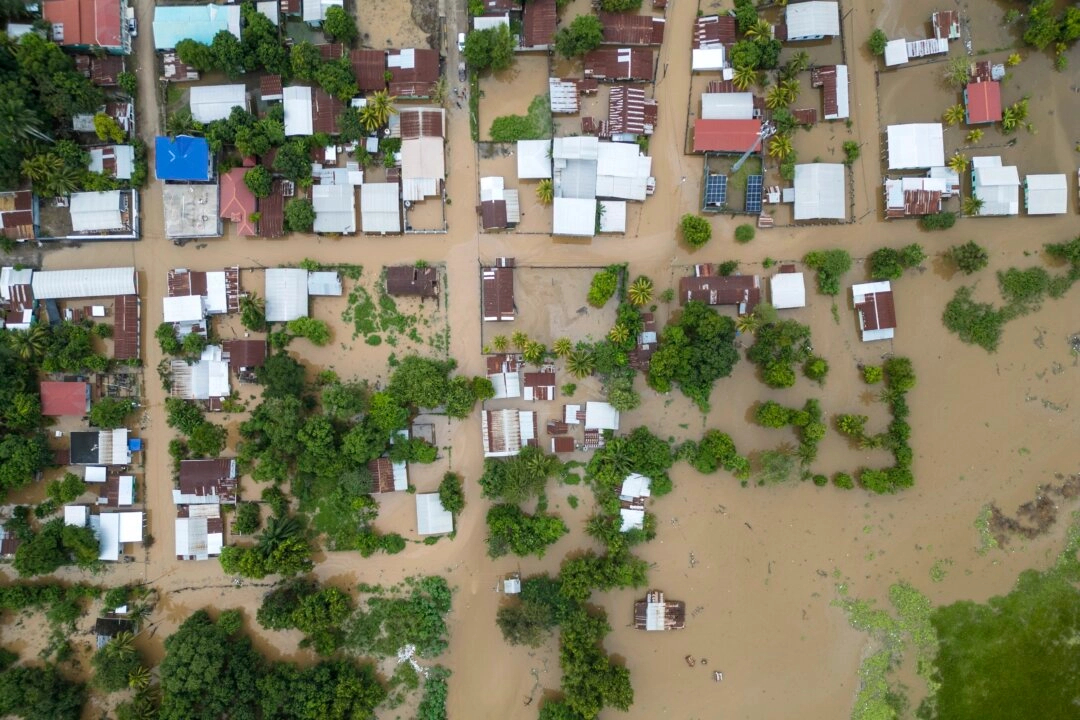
[(983, 102), (65, 398), (126, 317), (618, 63), (713, 30), (270, 85), (629, 29), (85, 22), (237, 202), (416, 81), (725, 135), (325, 112), (538, 24), (369, 67)]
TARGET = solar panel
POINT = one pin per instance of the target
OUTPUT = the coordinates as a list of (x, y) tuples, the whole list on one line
[(715, 190), (754, 185)]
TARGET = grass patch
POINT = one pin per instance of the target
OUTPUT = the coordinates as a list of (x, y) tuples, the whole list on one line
[(536, 125)]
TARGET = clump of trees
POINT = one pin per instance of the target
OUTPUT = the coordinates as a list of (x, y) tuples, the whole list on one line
[(604, 285), (452, 493), (696, 230), (282, 548), (968, 258), (889, 264), (202, 437), (109, 412), (24, 449), (490, 49), (808, 424), (512, 530), (715, 450), (830, 266), (53, 546), (38, 692), (777, 348), (317, 611), (1045, 29), (696, 350), (938, 221), (877, 42), (583, 34)]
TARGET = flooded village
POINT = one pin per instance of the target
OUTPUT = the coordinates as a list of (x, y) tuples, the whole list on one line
[(557, 358)]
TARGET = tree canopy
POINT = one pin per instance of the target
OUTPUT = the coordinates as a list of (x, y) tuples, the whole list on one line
[(696, 350), (583, 34), (490, 49)]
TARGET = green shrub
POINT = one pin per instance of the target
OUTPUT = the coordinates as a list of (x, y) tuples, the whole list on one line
[(851, 151), (744, 233), (772, 415), (872, 374), (843, 481), (816, 368), (830, 266), (821, 480), (728, 267), (696, 230), (938, 221), (974, 322), (877, 42), (603, 287)]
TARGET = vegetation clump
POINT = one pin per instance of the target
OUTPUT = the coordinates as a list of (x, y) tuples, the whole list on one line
[(938, 221), (695, 350), (778, 347), (830, 266), (604, 285), (889, 264), (696, 230), (968, 258), (808, 424)]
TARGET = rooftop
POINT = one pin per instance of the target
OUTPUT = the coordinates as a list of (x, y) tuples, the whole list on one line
[(86, 23), (533, 159), (380, 208), (237, 202), (574, 217), (431, 517), (369, 67), (983, 102), (498, 293), (286, 294), (65, 398), (1046, 194), (743, 291), (206, 481), (183, 158), (410, 280), (191, 210), (413, 71), (620, 63), (788, 290), (714, 31), (875, 309), (506, 431), (819, 191), (335, 208), (808, 20), (215, 102), (538, 23), (244, 354), (173, 23), (631, 29), (915, 145), (84, 283), (734, 136)]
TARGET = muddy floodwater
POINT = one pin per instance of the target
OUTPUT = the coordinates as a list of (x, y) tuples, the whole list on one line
[(757, 567)]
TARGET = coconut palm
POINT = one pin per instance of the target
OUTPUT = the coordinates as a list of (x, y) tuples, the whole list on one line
[(534, 352), (39, 168), (974, 136), (1013, 60), (519, 340), (278, 530), (761, 29), (972, 205), (775, 98), (958, 163), (500, 343), (748, 323), (640, 291), (64, 181), (780, 146), (382, 107), (122, 643), (545, 192), (20, 122), (562, 347), (139, 678), (581, 363), (744, 77), (954, 114), (791, 89), (30, 344), (798, 62), (619, 334), (369, 118)]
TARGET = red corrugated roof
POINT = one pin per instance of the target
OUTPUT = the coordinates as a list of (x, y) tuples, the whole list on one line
[(421, 122), (272, 212), (237, 202), (126, 327), (86, 22), (983, 102), (538, 25), (325, 112), (270, 85), (632, 29), (617, 63), (725, 135), (713, 30), (64, 398), (878, 311), (369, 67), (418, 80)]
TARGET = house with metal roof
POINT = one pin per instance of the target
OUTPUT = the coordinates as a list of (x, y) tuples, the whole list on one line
[(110, 215), (219, 290), (117, 161), (727, 136), (982, 102), (216, 102), (90, 25), (705, 286), (183, 159), (413, 72), (875, 310), (431, 517), (497, 285), (380, 208), (655, 614), (314, 11), (787, 289), (533, 159), (18, 212), (631, 29), (116, 529), (65, 398), (538, 25), (205, 379), (506, 431), (423, 168), (335, 208), (574, 217), (202, 482), (504, 372), (915, 196), (620, 64), (412, 281), (1046, 194), (997, 186), (173, 23), (727, 106), (298, 115), (623, 172), (601, 416), (286, 294), (820, 191), (833, 81), (100, 447), (199, 531), (84, 283), (915, 146), (813, 20), (244, 357)]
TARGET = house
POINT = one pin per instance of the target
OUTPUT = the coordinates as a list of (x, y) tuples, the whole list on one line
[(314, 11), (126, 327), (380, 208), (506, 431), (601, 416), (173, 23), (421, 122), (237, 203), (65, 398), (982, 102), (369, 67), (820, 191), (298, 114), (388, 476), (563, 95), (216, 102), (623, 172), (996, 186), (115, 160), (187, 313), (714, 31), (104, 447), (813, 20), (504, 372), (431, 517), (574, 217), (617, 64), (631, 29), (89, 25), (612, 216), (116, 491), (326, 112), (787, 288), (244, 356), (915, 145), (727, 106), (173, 69), (272, 208), (500, 207), (270, 89), (412, 281), (533, 159), (271, 9), (539, 385), (191, 210), (727, 136), (914, 196), (946, 24), (896, 52), (538, 25), (875, 310), (9, 543), (574, 161), (497, 284), (286, 294), (743, 291), (107, 628), (114, 530), (324, 283), (335, 208), (200, 531), (1046, 194), (111, 215), (707, 59), (84, 283), (646, 343), (413, 72), (655, 614), (833, 81), (563, 444), (205, 379), (183, 159), (122, 111), (219, 289), (17, 215), (490, 21), (203, 482), (634, 491), (423, 168)]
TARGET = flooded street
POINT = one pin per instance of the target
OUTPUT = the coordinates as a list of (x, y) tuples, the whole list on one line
[(757, 566)]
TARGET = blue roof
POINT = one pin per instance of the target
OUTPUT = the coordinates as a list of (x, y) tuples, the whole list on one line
[(182, 158), (200, 22)]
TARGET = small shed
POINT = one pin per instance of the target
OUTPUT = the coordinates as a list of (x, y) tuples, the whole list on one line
[(412, 281), (1044, 195), (788, 290), (286, 294), (896, 53), (388, 476), (655, 614), (601, 416), (431, 517)]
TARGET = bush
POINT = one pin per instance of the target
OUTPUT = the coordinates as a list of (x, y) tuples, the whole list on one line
[(830, 266), (744, 233), (877, 42), (247, 518), (317, 331), (890, 264), (816, 368), (974, 322), (968, 258), (585, 33), (821, 480), (696, 230), (108, 413), (166, 337), (339, 25), (603, 287), (872, 374), (258, 179), (938, 221), (843, 481), (489, 49), (851, 151), (772, 415), (451, 493), (299, 215)]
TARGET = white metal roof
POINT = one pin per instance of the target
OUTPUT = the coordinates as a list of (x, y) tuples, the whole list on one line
[(727, 106), (95, 474), (87, 283), (819, 192), (380, 209), (335, 208), (612, 216), (632, 519), (76, 515), (1046, 194), (96, 211), (622, 171), (635, 486), (324, 283), (490, 22), (896, 52), (107, 527), (842, 108), (533, 159), (570, 414), (812, 19), (574, 216), (126, 490), (707, 59), (297, 102), (183, 309), (215, 102), (217, 298), (122, 155), (986, 161), (999, 189), (269, 8), (788, 290), (564, 96), (601, 416), (423, 158), (492, 187), (9, 276), (286, 294), (431, 517), (314, 11), (579, 147), (916, 145), (131, 527), (506, 384), (859, 291)]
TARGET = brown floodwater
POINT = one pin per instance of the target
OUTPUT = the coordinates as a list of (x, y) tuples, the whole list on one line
[(986, 428)]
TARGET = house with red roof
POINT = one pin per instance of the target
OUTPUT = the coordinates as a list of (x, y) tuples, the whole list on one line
[(237, 203), (983, 102), (89, 24), (65, 398), (733, 136)]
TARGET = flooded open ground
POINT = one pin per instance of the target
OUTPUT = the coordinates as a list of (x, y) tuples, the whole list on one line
[(756, 566)]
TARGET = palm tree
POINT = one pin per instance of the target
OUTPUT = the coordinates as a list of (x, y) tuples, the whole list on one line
[(382, 107), (21, 122), (278, 530), (640, 291), (534, 353), (39, 168), (29, 344), (122, 643), (369, 118), (954, 114), (63, 182), (581, 363), (798, 62), (1010, 119), (780, 146), (748, 324), (139, 678), (791, 90), (519, 340), (500, 343), (775, 98), (972, 205), (744, 77), (562, 347), (761, 29), (958, 163), (619, 334), (974, 136), (179, 123), (545, 192)]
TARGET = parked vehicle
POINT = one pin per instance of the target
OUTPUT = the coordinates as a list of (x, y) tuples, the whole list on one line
[(133, 29), (461, 42)]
